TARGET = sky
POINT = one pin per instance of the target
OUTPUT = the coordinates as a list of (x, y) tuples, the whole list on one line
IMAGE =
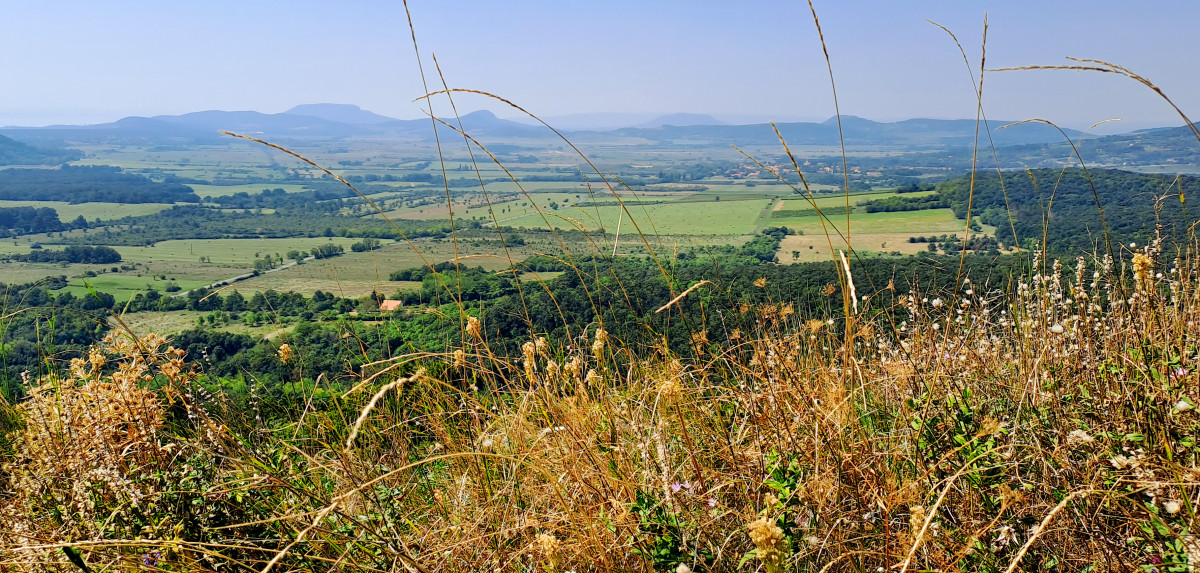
[(76, 62)]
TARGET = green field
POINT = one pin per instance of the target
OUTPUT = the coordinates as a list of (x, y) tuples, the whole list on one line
[(124, 286), (358, 274), (248, 188), (172, 323), (926, 222), (676, 218), (474, 206), (238, 253), (67, 212)]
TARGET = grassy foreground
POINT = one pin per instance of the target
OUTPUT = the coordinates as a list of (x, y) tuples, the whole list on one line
[(1049, 424)]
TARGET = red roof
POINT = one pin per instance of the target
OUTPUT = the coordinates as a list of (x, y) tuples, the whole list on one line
[(390, 305)]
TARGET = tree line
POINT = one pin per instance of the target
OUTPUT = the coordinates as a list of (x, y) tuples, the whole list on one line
[(85, 184)]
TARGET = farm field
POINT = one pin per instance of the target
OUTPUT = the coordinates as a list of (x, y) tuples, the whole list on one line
[(248, 188), (814, 247), (235, 253), (359, 274), (475, 207), (174, 322), (123, 286), (676, 218), (91, 211), (825, 201), (926, 222)]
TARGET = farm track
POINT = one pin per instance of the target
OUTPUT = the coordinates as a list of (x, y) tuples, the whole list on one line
[(231, 280)]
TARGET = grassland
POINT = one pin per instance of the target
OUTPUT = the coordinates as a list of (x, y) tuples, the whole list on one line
[(123, 286), (354, 275), (248, 188), (814, 247), (227, 253), (725, 217), (927, 222), (91, 211), (171, 323)]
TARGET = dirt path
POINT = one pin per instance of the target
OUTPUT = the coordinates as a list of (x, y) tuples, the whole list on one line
[(232, 280)]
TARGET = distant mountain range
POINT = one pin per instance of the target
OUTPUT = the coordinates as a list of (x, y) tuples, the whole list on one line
[(336, 121)]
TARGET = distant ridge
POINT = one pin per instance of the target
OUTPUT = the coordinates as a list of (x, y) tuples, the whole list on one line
[(340, 112), (912, 133), (682, 119), (13, 152), (326, 121)]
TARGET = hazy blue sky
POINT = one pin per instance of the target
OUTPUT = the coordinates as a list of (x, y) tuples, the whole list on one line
[(84, 62)]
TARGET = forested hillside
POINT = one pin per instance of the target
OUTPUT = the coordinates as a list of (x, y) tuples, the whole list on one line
[(13, 152), (1065, 206)]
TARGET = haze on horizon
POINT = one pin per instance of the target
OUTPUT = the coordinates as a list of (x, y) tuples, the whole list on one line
[(74, 62)]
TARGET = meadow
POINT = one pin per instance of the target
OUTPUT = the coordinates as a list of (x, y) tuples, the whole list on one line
[(67, 212), (677, 218)]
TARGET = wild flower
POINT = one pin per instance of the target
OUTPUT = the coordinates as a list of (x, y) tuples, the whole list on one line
[(598, 345), (1142, 265), (1004, 536), (151, 558), (573, 368), (770, 545), (547, 546), (593, 378), (285, 353), (529, 349), (474, 328)]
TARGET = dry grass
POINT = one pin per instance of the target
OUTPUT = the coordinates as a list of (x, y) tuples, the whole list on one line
[(863, 242), (1049, 426)]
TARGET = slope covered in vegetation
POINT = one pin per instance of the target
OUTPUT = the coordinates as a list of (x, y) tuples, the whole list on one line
[(1045, 423)]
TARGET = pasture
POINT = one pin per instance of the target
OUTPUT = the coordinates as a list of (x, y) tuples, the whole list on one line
[(123, 286), (175, 322), (815, 247), (248, 188), (358, 274), (725, 217), (926, 222), (67, 212)]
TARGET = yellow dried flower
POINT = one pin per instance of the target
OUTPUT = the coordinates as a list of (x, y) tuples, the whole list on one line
[(1142, 266), (916, 519), (547, 546), (474, 329), (699, 341), (598, 345), (573, 368), (285, 353), (669, 391), (530, 352), (769, 542)]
